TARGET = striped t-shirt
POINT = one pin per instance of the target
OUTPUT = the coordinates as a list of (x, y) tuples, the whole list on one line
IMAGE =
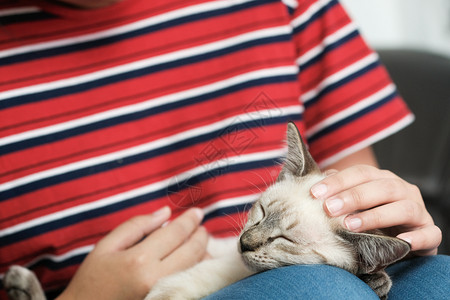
[(110, 113)]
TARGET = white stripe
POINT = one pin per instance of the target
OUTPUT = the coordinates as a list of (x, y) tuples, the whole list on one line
[(353, 68), (312, 9), (136, 65), (332, 38), (59, 258), (263, 73), (142, 190), (148, 146), (384, 92), (247, 199), (291, 3), (19, 11), (369, 141), (187, 11)]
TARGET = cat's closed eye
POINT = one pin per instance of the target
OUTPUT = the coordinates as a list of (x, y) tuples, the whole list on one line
[(258, 214), (271, 239)]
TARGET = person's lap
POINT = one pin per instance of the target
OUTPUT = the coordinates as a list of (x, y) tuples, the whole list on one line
[(418, 278), (421, 278)]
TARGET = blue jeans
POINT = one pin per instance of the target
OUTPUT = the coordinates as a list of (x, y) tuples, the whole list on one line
[(417, 278)]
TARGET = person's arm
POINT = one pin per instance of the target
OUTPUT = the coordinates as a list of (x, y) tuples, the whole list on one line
[(127, 262), (377, 198)]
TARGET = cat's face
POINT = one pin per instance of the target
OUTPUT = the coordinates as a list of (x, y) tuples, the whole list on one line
[(287, 226)]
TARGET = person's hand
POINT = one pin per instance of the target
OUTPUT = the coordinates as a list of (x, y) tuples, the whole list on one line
[(127, 262), (378, 199)]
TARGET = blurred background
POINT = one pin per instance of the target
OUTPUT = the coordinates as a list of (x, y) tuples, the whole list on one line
[(413, 40)]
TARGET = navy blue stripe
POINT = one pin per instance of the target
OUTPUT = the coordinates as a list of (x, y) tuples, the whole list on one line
[(315, 16), (329, 48), (59, 92), (291, 10), (55, 265), (46, 182), (351, 118), (33, 142), (28, 17), (128, 35), (102, 211), (226, 211), (342, 82)]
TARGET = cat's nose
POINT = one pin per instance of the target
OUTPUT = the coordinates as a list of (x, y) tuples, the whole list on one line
[(244, 245)]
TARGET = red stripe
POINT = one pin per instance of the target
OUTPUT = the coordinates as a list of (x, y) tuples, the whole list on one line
[(76, 22), (332, 62), (347, 95), (359, 130), (312, 35)]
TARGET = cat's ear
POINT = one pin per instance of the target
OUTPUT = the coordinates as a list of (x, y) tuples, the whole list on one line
[(299, 161), (375, 252)]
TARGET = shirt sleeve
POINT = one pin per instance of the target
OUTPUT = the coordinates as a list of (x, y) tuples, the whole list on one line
[(350, 101)]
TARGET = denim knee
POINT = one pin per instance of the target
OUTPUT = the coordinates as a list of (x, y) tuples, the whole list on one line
[(425, 277), (300, 281)]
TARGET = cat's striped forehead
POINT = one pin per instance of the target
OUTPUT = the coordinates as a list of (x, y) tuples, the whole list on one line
[(290, 202), (290, 191)]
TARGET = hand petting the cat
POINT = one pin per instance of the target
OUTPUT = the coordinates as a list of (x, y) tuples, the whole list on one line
[(378, 199), (127, 262)]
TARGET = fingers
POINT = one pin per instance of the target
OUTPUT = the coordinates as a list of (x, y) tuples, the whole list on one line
[(346, 179), (375, 199), (405, 213), (132, 231), (189, 253), (366, 195), (423, 241), (165, 240)]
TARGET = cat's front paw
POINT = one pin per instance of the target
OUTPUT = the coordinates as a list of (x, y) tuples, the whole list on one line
[(159, 292), (167, 291), (180, 286), (379, 282), (21, 284)]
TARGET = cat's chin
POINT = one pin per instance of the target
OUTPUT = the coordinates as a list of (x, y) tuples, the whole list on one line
[(257, 262)]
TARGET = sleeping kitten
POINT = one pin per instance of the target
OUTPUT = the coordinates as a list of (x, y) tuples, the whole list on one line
[(285, 226)]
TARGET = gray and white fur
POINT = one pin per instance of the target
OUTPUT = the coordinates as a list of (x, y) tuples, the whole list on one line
[(285, 226)]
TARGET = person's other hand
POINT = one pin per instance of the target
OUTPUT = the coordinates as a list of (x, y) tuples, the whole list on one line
[(127, 262), (378, 199)]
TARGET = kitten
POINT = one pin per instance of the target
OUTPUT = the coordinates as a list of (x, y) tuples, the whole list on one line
[(285, 226)]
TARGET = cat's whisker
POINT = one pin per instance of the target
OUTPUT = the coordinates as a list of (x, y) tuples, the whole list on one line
[(262, 179), (236, 224), (254, 185)]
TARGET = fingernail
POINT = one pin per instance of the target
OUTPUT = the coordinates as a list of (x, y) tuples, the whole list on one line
[(334, 205), (330, 172), (406, 239), (162, 211), (199, 213), (353, 223), (162, 214), (319, 190)]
